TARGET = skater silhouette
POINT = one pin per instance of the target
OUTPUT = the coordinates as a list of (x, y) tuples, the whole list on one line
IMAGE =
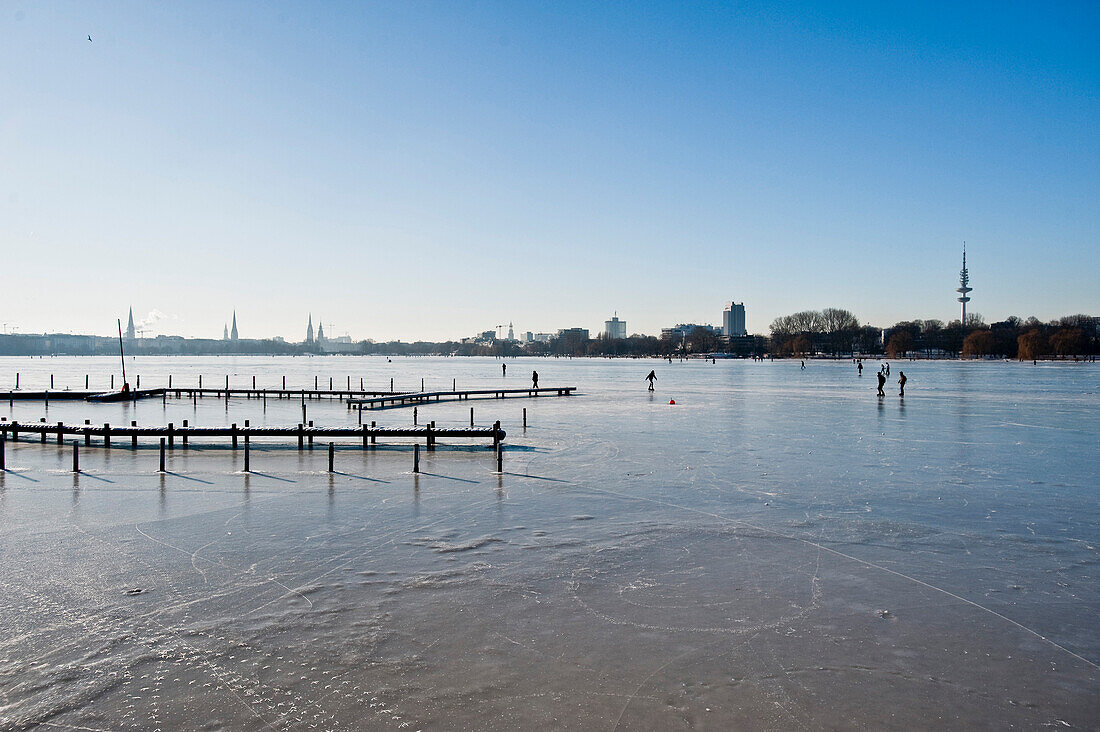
[(534, 379), (881, 383), (901, 383), (651, 378)]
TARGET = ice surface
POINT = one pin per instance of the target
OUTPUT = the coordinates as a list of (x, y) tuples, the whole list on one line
[(780, 549)]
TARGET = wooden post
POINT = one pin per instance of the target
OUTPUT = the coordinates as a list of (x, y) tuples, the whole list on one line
[(106, 434), (227, 382), (349, 383), (471, 416), (416, 457), (284, 383), (162, 455), (360, 383), (246, 467), (233, 427), (311, 435), (87, 434), (303, 410), (200, 381), (364, 432), (330, 383), (169, 381), (500, 457), (331, 453), (429, 442), (172, 434), (301, 436), (86, 381), (253, 383), (525, 418), (421, 384), (414, 416), (496, 433), (2, 445), (51, 381), (17, 382), (373, 437), (138, 384), (315, 383), (60, 432), (454, 384), (133, 438), (76, 456), (16, 379), (43, 435)]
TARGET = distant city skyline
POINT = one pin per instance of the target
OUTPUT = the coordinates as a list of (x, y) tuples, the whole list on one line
[(431, 170)]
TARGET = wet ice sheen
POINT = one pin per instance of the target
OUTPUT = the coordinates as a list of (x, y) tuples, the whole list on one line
[(780, 549)]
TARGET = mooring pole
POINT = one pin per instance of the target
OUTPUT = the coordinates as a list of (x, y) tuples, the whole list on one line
[(246, 467), (331, 454), (373, 437), (525, 418), (311, 434), (133, 437), (414, 416), (500, 457), (76, 456), (471, 416), (162, 455), (416, 457), (2, 445)]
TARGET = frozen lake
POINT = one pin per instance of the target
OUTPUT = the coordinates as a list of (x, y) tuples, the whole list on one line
[(781, 549)]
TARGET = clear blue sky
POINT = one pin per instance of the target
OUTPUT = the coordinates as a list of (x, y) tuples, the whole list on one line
[(429, 170)]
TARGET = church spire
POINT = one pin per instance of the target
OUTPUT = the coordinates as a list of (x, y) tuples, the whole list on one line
[(131, 332), (233, 333)]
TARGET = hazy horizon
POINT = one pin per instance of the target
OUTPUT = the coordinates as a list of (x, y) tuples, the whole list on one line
[(430, 171)]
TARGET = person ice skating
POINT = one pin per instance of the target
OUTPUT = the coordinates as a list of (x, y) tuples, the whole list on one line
[(504, 369), (534, 379), (881, 383), (859, 367), (803, 365), (887, 369), (901, 383), (651, 378)]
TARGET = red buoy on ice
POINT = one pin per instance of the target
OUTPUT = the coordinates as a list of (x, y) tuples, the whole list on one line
[(671, 401)]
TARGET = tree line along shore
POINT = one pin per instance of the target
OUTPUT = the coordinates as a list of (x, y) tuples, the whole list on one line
[(832, 332)]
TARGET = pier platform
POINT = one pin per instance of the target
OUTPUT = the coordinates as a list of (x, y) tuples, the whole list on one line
[(420, 397)]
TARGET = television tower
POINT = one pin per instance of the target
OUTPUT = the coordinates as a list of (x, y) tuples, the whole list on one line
[(964, 286)]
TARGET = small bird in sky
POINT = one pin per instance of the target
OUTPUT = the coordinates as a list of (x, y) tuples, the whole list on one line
[(89, 39)]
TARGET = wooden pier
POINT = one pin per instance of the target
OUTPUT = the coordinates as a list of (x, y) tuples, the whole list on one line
[(58, 395), (405, 399), (304, 433)]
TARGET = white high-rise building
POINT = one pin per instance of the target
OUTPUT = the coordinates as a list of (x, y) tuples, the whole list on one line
[(614, 328), (733, 320)]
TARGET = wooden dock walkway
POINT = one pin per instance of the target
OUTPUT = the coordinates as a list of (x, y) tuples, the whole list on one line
[(419, 397), (303, 433)]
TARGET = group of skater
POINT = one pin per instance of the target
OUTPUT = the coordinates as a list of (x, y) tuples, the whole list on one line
[(883, 372)]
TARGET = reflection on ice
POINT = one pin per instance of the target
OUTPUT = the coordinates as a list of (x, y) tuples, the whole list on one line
[(780, 549)]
